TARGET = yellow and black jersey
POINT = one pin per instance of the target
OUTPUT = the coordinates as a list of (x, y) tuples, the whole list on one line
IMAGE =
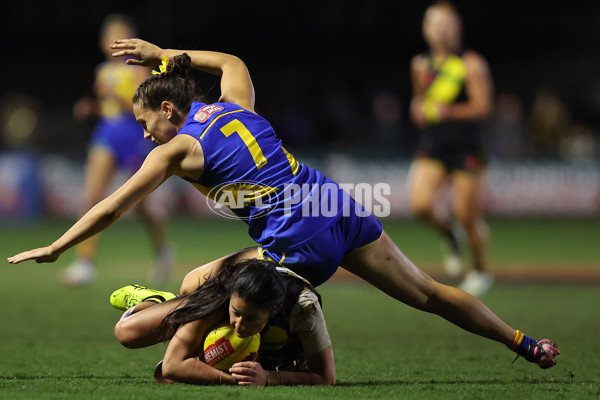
[(458, 144)]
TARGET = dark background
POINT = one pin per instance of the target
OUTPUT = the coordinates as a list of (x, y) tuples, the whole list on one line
[(316, 65)]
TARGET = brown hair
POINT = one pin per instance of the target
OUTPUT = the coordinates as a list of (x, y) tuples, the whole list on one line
[(256, 281), (174, 85)]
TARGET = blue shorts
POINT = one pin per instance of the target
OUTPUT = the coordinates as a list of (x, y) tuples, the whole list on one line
[(124, 138), (319, 258)]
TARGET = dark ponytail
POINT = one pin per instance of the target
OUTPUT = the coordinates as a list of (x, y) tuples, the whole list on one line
[(173, 85)]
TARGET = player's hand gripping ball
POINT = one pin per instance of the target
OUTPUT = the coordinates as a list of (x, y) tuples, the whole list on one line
[(223, 348)]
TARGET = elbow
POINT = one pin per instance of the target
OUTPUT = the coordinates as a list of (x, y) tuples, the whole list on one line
[(330, 379), (171, 371), (111, 217), (235, 60), (478, 113), (113, 212), (112, 209), (234, 64), (327, 379), (486, 111), (482, 109), (107, 214)]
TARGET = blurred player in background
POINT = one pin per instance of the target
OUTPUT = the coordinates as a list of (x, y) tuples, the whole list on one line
[(117, 144), (452, 95), (253, 296), (300, 218)]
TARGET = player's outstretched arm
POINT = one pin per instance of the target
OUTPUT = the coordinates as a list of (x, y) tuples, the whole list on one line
[(41, 255), (236, 84), (157, 167)]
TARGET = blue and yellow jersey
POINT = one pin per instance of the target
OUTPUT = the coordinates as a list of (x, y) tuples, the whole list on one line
[(116, 83), (247, 169)]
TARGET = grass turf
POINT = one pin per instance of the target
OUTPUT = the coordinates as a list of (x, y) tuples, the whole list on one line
[(58, 343)]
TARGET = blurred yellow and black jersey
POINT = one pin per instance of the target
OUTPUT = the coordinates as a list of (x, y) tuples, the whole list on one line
[(457, 144)]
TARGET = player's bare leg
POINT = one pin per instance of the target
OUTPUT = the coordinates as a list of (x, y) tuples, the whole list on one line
[(384, 266), (99, 171), (138, 326), (468, 210), (164, 252), (426, 179)]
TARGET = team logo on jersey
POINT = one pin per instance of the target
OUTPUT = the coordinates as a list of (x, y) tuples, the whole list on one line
[(205, 112)]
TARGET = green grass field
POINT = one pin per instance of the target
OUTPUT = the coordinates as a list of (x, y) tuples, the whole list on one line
[(58, 343)]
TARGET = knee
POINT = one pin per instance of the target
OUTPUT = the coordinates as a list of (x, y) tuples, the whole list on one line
[(189, 284), (467, 212), (422, 208), (126, 334), (422, 295), (467, 218), (437, 297), (463, 218)]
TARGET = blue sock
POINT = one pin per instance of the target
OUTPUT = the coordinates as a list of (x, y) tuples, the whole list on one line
[(526, 343)]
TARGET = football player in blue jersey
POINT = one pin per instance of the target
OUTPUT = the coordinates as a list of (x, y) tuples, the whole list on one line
[(117, 144), (304, 222)]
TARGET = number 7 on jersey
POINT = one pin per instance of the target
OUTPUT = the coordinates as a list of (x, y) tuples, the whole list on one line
[(236, 126)]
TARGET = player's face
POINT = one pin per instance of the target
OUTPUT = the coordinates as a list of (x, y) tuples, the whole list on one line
[(441, 28), (245, 318), (117, 30), (156, 124)]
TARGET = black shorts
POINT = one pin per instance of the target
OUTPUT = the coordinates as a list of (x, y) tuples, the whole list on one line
[(456, 146), (468, 161)]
